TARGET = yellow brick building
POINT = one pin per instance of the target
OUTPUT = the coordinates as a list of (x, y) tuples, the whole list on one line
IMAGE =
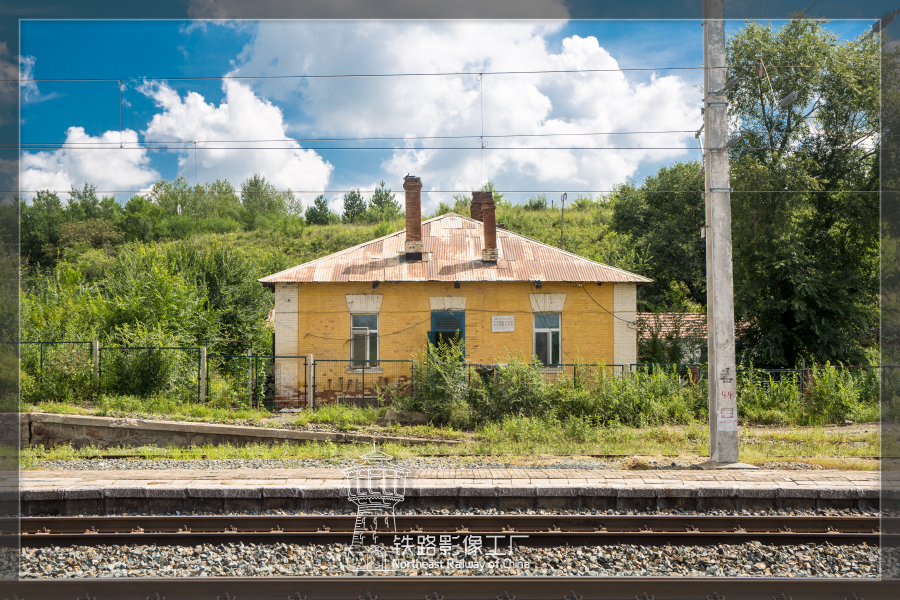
[(502, 293)]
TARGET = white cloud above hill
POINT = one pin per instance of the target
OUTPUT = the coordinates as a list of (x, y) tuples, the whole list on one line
[(97, 160), (531, 104), (543, 101), (222, 133)]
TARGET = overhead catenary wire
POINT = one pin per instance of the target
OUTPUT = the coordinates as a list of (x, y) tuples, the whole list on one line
[(389, 138), (381, 75)]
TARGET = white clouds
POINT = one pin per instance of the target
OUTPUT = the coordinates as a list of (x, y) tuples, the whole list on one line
[(110, 168), (29, 89), (222, 133), (525, 104), (452, 105)]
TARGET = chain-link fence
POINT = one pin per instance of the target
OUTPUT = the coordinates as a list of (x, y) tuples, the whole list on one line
[(360, 382), (257, 381), (67, 372), (56, 371)]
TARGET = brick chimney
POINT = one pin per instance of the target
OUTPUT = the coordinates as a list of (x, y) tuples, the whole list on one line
[(412, 188), (490, 254), (478, 201)]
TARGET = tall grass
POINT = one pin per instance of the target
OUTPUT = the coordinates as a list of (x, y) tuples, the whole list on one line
[(452, 393)]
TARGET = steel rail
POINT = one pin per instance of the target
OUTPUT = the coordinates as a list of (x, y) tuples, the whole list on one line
[(453, 588), (542, 530)]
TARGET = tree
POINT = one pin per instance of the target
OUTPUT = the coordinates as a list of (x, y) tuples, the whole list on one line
[(499, 197), (354, 206), (663, 217), (260, 198), (890, 232), (41, 227), (462, 204), (383, 206), (169, 195), (293, 205), (318, 212), (79, 236), (805, 262), (142, 219), (538, 202), (83, 204), (110, 210)]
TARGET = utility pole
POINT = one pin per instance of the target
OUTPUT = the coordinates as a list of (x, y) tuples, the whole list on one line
[(723, 430)]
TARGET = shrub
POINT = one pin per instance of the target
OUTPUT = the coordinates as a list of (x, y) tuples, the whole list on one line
[(516, 388), (67, 374), (439, 383), (835, 394), (538, 202)]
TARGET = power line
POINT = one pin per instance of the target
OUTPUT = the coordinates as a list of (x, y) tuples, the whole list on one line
[(604, 308), (401, 138), (381, 75), (413, 149)]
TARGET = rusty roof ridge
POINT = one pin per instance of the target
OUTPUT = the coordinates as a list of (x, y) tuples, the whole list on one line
[(501, 232), (506, 232)]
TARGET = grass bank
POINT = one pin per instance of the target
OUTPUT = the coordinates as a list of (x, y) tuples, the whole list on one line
[(523, 440)]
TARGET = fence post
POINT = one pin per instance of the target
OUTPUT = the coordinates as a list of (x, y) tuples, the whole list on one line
[(41, 370), (250, 377), (203, 374), (95, 353), (310, 382)]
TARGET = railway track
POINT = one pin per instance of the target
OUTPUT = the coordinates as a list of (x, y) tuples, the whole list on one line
[(529, 530), (454, 588)]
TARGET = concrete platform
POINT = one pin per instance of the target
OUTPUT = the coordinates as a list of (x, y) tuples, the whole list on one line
[(188, 490)]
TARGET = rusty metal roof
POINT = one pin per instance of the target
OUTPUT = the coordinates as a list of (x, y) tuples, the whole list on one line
[(689, 325), (453, 245)]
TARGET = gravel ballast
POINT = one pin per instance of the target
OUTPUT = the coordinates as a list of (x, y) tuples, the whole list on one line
[(239, 560)]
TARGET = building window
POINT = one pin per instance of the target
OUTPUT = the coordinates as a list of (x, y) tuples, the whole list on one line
[(364, 341), (546, 338)]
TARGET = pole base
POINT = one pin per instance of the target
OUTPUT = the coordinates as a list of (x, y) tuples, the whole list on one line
[(709, 464)]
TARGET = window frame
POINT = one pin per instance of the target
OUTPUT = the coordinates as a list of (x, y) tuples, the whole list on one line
[(366, 363), (549, 331)]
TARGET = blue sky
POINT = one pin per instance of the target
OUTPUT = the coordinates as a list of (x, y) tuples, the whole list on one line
[(226, 118)]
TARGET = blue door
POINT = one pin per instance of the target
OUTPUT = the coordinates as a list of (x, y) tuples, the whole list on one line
[(447, 327)]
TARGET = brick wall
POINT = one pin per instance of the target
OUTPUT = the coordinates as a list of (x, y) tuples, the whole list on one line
[(323, 327)]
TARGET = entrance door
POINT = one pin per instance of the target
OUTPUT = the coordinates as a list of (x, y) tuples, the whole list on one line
[(447, 327)]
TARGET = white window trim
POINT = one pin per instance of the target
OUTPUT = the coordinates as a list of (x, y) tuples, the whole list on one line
[(535, 331), (377, 344)]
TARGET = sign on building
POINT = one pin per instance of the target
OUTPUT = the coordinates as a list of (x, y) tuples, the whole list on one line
[(503, 323)]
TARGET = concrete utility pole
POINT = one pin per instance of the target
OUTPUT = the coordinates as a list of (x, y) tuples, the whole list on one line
[(723, 431)]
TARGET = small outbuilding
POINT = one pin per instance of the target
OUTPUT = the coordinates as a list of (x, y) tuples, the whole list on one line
[(452, 276)]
